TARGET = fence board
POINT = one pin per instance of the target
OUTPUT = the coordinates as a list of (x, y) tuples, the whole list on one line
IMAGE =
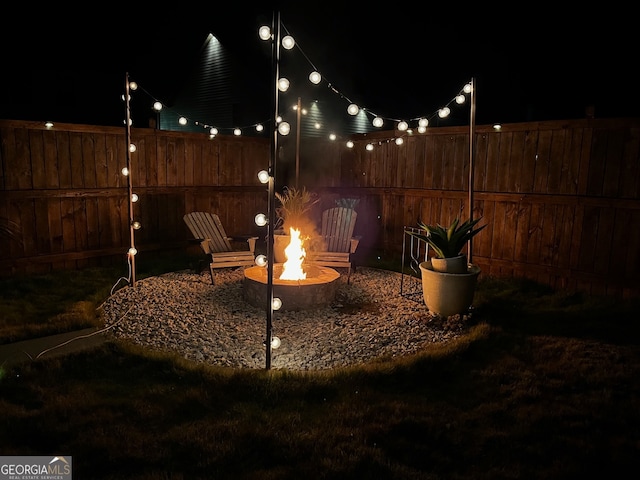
[(504, 160), (101, 166), (63, 153), (38, 172), (89, 144), (613, 164), (556, 157), (596, 167), (529, 156), (543, 153), (514, 183), (50, 153), (480, 163)]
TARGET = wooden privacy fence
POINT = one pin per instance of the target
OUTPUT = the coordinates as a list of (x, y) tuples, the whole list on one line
[(561, 198)]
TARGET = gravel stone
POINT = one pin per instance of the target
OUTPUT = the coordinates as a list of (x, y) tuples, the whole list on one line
[(183, 312)]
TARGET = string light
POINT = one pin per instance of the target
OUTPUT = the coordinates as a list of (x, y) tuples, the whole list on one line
[(263, 176), (261, 220), (353, 109), (264, 32), (315, 77), (283, 84), (288, 42), (284, 128)]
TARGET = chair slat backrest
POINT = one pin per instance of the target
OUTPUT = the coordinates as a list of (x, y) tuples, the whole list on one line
[(205, 225), (338, 224)]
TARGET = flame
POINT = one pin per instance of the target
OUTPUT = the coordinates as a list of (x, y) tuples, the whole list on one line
[(292, 268)]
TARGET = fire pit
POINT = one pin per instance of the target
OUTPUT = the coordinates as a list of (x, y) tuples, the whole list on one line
[(317, 290)]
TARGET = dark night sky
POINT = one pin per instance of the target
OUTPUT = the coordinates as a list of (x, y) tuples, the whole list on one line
[(528, 65)]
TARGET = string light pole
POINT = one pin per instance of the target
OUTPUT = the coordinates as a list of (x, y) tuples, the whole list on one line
[(132, 246), (275, 65), (472, 151)]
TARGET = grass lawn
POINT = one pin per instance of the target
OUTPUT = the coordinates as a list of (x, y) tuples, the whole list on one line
[(543, 385)]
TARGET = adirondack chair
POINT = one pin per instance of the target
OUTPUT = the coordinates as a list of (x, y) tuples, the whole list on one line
[(208, 230), (336, 243)]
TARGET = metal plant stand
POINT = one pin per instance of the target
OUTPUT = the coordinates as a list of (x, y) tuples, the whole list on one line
[(414, 251)]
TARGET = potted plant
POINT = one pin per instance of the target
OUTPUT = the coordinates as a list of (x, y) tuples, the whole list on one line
[(293, 212), (447, 243), (448, 281)]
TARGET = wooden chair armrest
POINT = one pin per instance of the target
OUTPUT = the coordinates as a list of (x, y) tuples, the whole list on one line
[(354, 243), (251, 241)]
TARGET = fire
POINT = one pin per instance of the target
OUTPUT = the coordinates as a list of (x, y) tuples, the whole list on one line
[(295, 253)]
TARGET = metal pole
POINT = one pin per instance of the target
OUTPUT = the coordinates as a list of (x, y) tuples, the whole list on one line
[(298, 141), (472, 152), (275, 56), (131, 254)]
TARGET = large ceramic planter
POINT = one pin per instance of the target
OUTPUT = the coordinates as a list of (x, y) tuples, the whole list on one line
[(447, 294), (450, 264)]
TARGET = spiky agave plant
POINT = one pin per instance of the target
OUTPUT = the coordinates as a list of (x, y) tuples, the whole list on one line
[(448, 242)]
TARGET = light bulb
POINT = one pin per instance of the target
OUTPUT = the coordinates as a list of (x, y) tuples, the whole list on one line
[(349, 144), (369, 146), (136, 225), (460, 99), (402, 126), (213, 131), (157, 106), (125, 171), (467, 88), (182, 121), (134, 197), (332, 136), (284, 128), (132, 251), (444, 112), (132, 148), (133, 86), (259, 127), (277, 303), (237, 132), (261, 219), (264, 32), (399, 141), (423, 122), (275, 342), (283, 84), (261, 260), (353, 109), (288, 42), (263, 176), (48, 124), (315, 78), (378, 122), (422, 129)]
